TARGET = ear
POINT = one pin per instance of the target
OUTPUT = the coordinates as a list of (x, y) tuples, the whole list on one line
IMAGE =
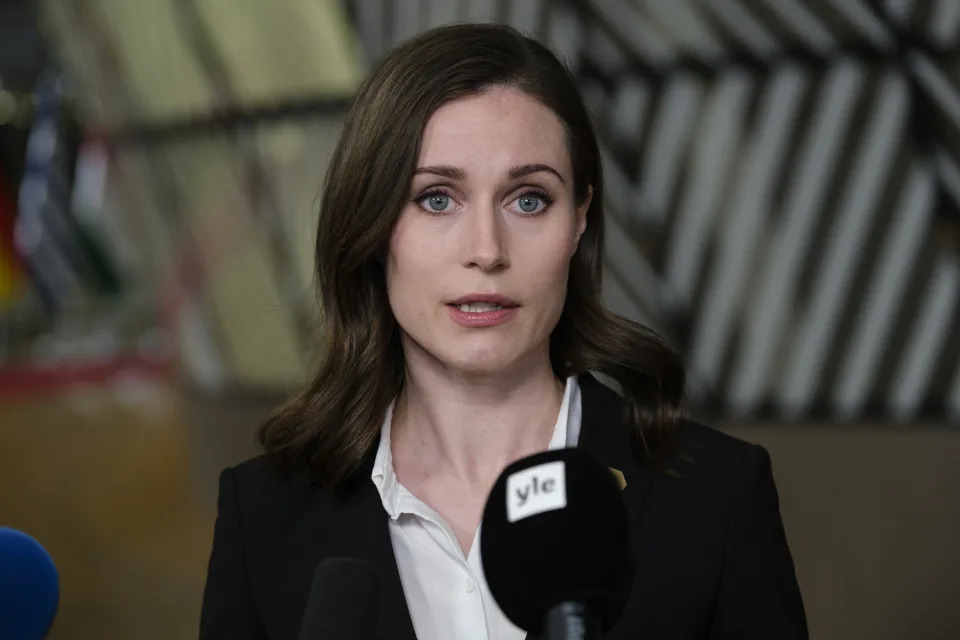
[(581, 213)]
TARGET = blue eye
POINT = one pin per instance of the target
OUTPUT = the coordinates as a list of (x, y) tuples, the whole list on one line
[(438, 201), (528, 204), (532, 202), (435, 202)]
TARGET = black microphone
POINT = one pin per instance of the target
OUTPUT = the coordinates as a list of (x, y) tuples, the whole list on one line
[(29, 587), (555, 545), (343, 601)]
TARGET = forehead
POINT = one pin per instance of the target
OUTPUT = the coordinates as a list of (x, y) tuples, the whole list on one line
[(498, 124)]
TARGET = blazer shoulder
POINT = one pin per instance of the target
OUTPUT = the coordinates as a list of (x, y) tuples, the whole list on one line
[(699, 437), (710, 453), (260, 474), (702, 451), (261, 468), (264, 489)]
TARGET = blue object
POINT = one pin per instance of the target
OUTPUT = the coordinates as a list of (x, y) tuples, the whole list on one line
[(29, 587)]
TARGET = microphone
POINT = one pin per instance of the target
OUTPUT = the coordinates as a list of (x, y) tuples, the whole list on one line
[(343, 601), (29, 587), (555, 545)]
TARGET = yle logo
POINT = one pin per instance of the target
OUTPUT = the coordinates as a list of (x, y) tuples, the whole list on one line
[(536, 490)]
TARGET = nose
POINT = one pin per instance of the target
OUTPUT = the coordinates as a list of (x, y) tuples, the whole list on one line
[(485, 240)]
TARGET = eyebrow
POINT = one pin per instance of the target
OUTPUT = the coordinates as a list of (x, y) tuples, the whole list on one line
[(520, 171)]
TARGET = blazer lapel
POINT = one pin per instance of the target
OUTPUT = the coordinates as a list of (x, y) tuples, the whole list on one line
[(360, 530), (605, 433)]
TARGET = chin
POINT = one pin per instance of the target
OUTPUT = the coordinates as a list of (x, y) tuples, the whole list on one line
[(486, 360), (479, 366)]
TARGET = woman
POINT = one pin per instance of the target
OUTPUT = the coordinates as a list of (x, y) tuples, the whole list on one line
[(458, 258)]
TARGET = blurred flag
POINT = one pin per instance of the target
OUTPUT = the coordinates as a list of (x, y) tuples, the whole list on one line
[(65, 254), (39, 238)]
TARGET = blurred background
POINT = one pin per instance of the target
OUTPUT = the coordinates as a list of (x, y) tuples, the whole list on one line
[(784, 205)]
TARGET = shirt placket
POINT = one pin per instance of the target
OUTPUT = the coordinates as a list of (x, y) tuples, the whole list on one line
[(471, 593)]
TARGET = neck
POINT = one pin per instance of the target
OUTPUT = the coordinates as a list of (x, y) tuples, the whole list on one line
[(470, 427)]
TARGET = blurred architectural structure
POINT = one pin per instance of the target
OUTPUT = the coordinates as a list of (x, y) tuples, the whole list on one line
[(783, 178)]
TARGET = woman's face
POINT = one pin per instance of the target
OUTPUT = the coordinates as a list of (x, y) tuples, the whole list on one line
[(478, 260)]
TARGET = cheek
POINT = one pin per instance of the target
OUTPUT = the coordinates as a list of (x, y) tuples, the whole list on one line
[(410, 266), (547, 276), (403, 250)]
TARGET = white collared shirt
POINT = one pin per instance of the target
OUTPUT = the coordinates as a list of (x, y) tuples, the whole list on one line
[(446, 593)]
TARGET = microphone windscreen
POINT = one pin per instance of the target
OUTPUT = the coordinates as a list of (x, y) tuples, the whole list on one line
[(555, 529), (29, 587), (343, 601)]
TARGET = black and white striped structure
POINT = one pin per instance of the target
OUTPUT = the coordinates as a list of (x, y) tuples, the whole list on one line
[(784, 187)]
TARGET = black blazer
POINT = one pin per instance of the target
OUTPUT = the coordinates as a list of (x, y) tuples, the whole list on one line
[(712, 557)]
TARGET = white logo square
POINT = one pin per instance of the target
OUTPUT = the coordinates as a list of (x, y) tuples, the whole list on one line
[(536, 490)]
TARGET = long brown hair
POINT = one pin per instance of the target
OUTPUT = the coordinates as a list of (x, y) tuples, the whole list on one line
[(333, 424)]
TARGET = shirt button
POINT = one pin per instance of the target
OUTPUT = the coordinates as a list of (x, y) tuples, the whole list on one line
[(469, 586)]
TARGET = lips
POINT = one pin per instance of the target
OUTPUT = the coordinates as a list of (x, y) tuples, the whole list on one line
[(485, 300), (479, 307), (482, 310)]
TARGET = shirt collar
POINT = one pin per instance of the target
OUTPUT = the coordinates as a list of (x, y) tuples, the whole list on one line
[(566, 432)]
